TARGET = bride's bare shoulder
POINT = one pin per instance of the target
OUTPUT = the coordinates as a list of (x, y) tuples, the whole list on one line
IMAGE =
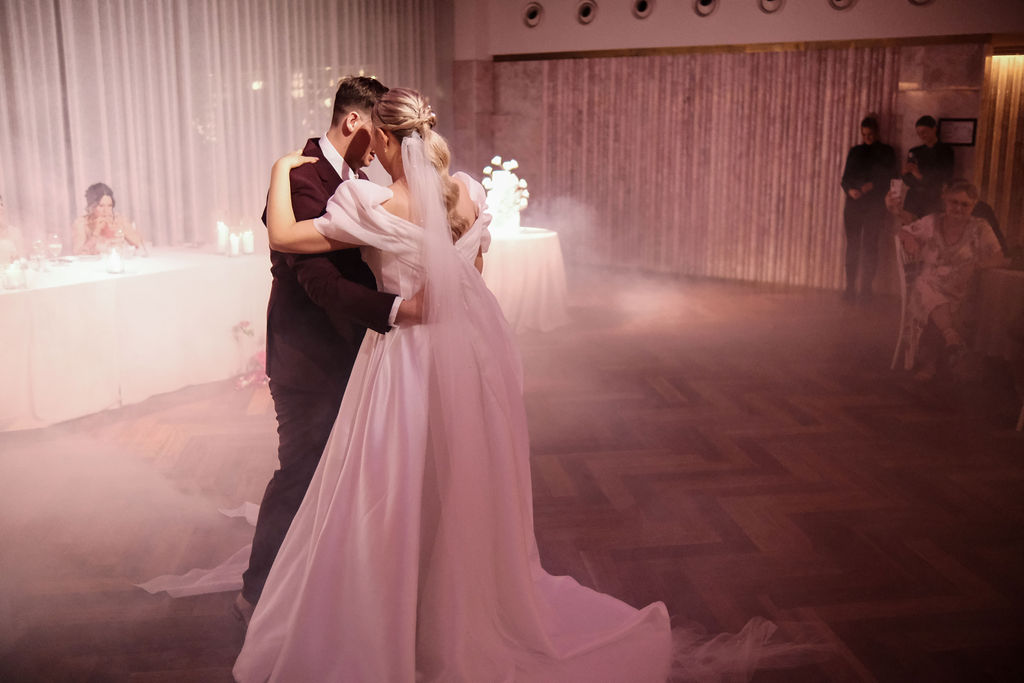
[(398, 205)]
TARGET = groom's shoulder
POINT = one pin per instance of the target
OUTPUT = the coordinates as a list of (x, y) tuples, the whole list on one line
[(306, 185), (312, 148), (319, 171), (308, 175)]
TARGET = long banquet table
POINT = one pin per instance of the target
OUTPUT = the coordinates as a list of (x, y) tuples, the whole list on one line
[(80, 340)]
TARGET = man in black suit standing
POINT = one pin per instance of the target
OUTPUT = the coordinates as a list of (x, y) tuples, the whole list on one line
[(320, 307), (869, 168)]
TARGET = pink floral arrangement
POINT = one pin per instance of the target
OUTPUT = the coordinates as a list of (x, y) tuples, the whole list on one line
[(255, 371), (243, 327), (256, 368)]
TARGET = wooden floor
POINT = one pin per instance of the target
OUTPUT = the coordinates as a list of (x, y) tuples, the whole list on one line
[(731, 450)]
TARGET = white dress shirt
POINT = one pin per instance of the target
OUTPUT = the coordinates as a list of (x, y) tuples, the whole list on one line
[(336, 160)]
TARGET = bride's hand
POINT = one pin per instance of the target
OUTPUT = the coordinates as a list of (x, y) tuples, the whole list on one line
[(293, 160)]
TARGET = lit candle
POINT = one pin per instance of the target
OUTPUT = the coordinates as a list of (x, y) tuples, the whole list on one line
[(248, 242), (233, 238), (222, 237), (114, 262), (12, 274)]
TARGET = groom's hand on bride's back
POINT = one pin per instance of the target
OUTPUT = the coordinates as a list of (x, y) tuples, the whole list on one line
[(410, 311)]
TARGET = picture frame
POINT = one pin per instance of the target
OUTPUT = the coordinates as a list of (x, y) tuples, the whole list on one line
[(960, 132)]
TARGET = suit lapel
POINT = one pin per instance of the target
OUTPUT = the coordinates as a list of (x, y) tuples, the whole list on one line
[(328, 176)]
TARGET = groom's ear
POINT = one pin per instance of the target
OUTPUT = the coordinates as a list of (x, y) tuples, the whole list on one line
[(351, 123)]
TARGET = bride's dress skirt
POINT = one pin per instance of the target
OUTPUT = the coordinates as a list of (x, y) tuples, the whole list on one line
[(384, 576)]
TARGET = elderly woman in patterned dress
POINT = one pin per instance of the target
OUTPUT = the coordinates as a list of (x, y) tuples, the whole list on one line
[(951, 246)]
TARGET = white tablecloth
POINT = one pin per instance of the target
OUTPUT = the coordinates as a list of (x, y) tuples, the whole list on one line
[(526, 273), (81, 340)]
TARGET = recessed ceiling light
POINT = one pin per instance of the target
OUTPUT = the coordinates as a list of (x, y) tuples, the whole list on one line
[(586, 11), (533, 13), (642, 8), (704, 7)]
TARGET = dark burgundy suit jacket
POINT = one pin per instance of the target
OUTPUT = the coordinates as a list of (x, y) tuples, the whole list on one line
[(320, 304)]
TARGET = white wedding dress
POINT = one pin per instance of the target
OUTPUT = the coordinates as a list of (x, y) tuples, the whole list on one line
[(413, 557)]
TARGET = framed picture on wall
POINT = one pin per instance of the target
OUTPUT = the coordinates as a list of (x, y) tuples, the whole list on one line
[(958, 131)]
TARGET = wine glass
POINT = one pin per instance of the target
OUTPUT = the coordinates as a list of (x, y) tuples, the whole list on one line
[(54, 246), (38, 254)]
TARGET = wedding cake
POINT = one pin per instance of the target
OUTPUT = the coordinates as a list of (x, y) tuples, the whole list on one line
[(506, 195)]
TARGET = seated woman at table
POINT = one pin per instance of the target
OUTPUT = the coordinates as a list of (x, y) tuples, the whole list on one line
[(11, 242), (951, 246), (100, 223)]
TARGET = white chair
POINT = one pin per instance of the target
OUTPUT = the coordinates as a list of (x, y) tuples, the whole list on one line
[(902, 260)]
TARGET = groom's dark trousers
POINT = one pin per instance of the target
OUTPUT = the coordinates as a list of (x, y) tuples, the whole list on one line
[(320, 307)]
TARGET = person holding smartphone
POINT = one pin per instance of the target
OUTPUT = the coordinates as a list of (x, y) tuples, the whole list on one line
[(928, 168)]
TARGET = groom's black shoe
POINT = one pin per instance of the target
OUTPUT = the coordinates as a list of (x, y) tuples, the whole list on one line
[(243, 609)]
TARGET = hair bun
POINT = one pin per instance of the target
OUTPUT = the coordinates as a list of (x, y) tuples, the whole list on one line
[(429, 117)]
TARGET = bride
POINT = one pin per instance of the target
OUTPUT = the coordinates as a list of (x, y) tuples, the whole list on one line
[(412, 557)]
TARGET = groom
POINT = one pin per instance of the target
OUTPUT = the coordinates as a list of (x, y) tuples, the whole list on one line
[(320, 307)]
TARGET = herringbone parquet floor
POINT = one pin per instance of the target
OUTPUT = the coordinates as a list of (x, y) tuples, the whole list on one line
[(733, 450)]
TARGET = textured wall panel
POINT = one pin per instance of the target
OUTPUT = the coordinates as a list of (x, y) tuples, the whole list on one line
[(711, 164)]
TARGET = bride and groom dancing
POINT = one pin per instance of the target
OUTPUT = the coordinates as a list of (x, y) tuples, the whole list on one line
[(411, 554)]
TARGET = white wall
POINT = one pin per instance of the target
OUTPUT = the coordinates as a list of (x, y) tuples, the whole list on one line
[(493, 27)]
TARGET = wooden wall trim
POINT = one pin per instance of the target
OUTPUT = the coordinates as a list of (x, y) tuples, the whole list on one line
[(1015, 43)]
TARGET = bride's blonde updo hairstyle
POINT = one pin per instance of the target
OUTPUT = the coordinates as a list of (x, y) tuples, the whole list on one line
[(402, 112)]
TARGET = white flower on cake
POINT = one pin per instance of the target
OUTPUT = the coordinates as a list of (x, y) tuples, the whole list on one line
[(506, 195)]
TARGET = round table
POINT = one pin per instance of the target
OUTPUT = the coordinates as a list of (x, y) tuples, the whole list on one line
[(525, 272)]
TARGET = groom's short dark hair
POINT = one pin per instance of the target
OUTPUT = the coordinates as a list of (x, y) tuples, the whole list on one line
[(356, 92)]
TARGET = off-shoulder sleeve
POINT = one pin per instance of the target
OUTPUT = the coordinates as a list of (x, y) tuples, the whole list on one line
[(479, 196), (355, 216)]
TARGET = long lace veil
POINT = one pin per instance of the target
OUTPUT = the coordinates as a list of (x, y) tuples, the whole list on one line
[(480, 451)]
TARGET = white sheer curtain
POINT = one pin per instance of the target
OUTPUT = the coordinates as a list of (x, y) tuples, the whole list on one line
[(181, 106), (32, 141)]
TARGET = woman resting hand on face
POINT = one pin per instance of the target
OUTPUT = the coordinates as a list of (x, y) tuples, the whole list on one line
[(100, 223)]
